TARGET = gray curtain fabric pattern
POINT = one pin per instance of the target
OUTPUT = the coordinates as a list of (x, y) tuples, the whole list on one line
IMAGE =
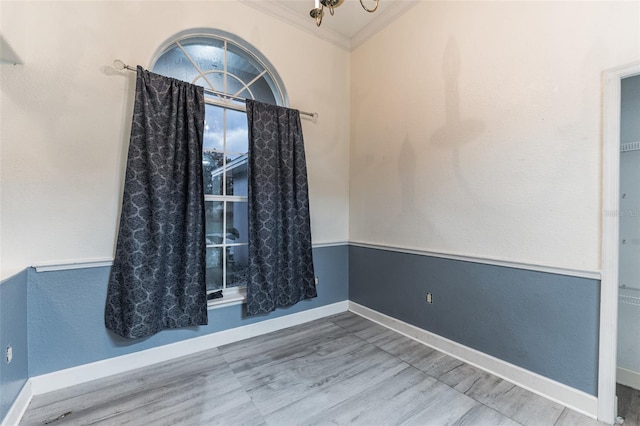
[(280, 254), (158, 276)]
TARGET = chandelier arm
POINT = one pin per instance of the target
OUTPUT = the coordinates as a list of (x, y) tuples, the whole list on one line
[(370, 10), (317, 14)]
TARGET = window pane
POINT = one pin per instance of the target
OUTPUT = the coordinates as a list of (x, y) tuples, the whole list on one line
[(242, 65), (214, 214), (212, 168), (208, 55), (214, 268), (212, 81), (236, 85), (237, 133), (267, 81), (237, 176), (237, 263), (261, 91), (173, 63), (213, 127), (237, 222)]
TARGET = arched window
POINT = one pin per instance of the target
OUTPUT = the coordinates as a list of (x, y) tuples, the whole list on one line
[(230, 70)]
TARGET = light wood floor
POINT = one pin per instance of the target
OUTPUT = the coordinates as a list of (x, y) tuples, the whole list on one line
[(628, 405), (338, 370)]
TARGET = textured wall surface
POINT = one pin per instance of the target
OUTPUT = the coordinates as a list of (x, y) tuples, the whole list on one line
[(66, 311), (456, 129), (66, 116), (542, 322), (477, 135), (13, 332)]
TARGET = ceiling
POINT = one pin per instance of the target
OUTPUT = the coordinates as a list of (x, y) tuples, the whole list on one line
[(350, 26)]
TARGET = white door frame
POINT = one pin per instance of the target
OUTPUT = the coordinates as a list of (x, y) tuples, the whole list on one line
[(610, 235)]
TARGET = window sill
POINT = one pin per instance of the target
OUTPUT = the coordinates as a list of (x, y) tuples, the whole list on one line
[(232, 296)]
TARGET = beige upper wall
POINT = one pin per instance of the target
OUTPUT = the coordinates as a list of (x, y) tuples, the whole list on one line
[(476, 128), (66, 116)]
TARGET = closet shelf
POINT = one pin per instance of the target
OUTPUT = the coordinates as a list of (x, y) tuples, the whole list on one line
[(631, 146)]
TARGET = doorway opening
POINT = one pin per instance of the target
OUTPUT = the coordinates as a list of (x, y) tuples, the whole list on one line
[(607, 364)]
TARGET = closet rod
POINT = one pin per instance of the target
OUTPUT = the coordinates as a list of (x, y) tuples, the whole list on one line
[(119, 65)]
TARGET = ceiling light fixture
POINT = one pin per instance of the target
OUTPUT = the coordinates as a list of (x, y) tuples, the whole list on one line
[(318, 11)]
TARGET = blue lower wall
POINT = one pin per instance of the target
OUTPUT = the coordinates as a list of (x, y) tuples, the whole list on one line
[(13, 332), (545, 323), (66, 314)]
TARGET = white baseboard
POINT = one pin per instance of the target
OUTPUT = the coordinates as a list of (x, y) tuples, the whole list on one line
[(628, 377), (543, 386), (100, 369), (18, 408)]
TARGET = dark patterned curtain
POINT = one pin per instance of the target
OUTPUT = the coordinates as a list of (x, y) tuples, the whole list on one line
[(280, 259), (158, 275)]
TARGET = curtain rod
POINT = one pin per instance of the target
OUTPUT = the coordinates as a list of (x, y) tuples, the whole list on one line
[(119, 65)]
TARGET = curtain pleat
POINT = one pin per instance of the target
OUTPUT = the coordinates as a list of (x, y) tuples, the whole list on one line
[(280, 254), (158, 276)]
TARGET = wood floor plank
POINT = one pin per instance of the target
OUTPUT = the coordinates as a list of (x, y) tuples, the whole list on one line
[(407, 397), (193, 396), (279, 341), (526, 407), (487, 388), (328, 358), (124, 383), (115, 388), (243, 359), (475, 382), (571, 418), (422, 357), (628, 404), (483, 415), (342, 369), (299, 379), (313, 404), (408, 350), (351, 322), (138, 394)]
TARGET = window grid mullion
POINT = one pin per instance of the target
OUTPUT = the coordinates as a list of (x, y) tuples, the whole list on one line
[(235, 198), (224, 188), (246, 85), (195, 65), (226, 199), (224, 65), (224, 247)]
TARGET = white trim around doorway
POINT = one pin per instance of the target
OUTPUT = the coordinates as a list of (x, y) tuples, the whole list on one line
[(610, 231)]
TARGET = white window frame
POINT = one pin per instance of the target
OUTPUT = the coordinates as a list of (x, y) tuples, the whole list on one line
[(223, 99)]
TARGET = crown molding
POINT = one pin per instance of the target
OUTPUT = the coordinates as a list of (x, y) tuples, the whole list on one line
[(300, 21), (384, 18), (303, 22)]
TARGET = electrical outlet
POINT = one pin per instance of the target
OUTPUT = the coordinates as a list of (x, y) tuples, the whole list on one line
[(429, 298), (9, 354), (316, 280)]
